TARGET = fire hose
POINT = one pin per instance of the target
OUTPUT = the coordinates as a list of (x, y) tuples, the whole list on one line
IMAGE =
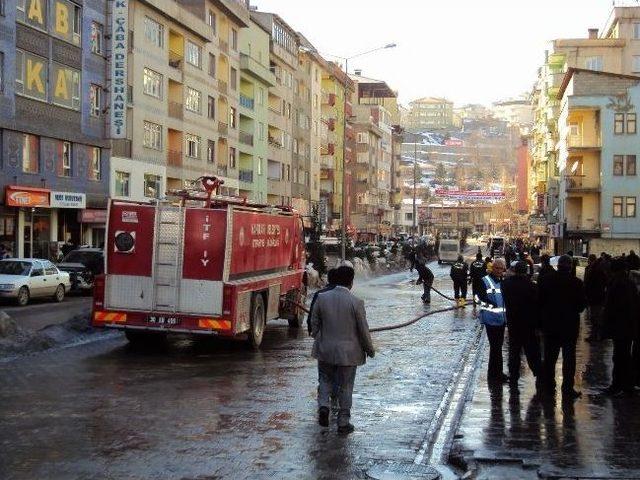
[(399, 325)]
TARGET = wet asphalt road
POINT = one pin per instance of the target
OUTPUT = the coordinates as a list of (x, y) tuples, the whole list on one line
[(105, 410), (42, 312)]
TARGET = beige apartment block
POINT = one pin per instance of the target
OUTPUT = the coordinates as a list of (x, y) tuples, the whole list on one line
[(183, 74), (430, 113)]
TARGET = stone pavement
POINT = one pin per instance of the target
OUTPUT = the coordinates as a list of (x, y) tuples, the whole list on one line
[(505, 434)]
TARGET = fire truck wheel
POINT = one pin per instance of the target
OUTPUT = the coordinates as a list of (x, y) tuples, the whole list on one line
[(258, 317)]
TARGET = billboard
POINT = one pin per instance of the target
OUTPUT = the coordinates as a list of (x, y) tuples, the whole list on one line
[(119, 52), (471, 195)]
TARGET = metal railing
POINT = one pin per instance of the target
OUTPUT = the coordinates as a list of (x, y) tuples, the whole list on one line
[(246, 102), (580, 182), (246, 138), (175, 59)]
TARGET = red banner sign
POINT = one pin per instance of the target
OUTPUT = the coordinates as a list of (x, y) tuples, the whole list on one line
[(470, 195)]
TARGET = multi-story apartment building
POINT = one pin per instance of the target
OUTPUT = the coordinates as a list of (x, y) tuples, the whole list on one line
[(53, 154), (283, 61), (255, 80), (334, 128), (517, 111), (372, 212), (616, 50), (183, 75), (430, 113), (597, 162)]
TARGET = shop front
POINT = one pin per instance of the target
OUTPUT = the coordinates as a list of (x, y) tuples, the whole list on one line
[(92, 224)]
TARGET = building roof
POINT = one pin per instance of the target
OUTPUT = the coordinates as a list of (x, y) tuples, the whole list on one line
[(372, 88), (434, 100), (572, 70)]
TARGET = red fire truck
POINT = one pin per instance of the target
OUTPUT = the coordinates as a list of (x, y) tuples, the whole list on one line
[(203, 264)]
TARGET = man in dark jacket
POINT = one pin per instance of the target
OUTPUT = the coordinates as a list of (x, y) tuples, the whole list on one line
[(562, 299), (459, 272), (521, 303), (545, 268), (633, 261), (477, 271), (621, 325), (426, 275), (595, 284)]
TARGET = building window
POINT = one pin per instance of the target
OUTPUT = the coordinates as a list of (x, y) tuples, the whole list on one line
[(152, 185), (152, 136), (96, 37), (636, 64), (122, 184), (211, 151), (232, 117), (630, 207), (154, 32), (30, 154), (631, 123), (617, 207), (1, 71), (192, 102), (212, 21), (618, 123), (212, 65), (96, 163), (234, 39), (66, 159), (594, 63), (631, 165), (65, 86), (194, 54), (152, 83), (211, 108), (233, 78), (193, 145), (95, 100), (636, 31), (618, 165), (2, 6), (232, 157), (36, 87)]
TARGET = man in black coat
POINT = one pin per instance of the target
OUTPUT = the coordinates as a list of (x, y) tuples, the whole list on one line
[(477, 271), (545, 268), (633, 261), (562, 299), (621, 325), (521, 303), (595, 285)]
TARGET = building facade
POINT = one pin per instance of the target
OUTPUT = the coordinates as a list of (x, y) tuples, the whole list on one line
[(53, 153), (597, 163), (430, 113)]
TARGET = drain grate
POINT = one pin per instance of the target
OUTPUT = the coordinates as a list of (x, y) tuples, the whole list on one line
[(402, 471)]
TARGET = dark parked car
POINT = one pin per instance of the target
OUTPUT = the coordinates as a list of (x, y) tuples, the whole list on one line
[(83, 265)]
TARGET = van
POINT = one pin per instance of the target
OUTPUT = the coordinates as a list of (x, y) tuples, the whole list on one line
[(448, 251), (497, 246)]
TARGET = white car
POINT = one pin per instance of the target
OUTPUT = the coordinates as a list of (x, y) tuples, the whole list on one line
[(24, 278)]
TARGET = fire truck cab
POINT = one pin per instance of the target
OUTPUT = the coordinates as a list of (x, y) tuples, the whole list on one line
[(202, 265)]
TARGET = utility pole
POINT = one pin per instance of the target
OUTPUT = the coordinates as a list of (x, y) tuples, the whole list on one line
[(343, 216), (415, 180)]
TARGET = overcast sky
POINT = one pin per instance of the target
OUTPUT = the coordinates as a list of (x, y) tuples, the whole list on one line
[(469, 51)]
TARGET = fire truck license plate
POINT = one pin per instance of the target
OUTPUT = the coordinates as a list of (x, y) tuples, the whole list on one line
[(162, 320)]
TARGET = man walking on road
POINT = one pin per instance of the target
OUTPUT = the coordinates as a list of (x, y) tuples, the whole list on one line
[(492, 316), (425, 275), (521, 303), (562, 299), (342, 343), (459, 272), (477, 272)]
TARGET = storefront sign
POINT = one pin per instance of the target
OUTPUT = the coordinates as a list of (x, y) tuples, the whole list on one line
[(92, 216), (27, 197), (68, 200), (470, 195), (120, 35)]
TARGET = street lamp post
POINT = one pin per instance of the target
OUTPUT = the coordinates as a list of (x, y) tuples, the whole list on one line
[(343, 240), (415, 181)]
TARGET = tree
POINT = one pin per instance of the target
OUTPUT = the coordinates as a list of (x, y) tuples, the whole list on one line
[(441, 172)]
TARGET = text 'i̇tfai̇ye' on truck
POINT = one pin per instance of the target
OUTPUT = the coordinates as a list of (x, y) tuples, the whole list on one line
[(203, 264)]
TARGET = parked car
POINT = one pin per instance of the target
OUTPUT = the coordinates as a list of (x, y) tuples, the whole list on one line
[(24, 278), (83, 265)]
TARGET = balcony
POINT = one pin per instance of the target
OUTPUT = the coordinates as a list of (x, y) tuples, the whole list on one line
[(175, 60), (581, 141), (222, 87), (246, 138), (328, 99), (224, 46), (176, 110), (257, 70), (328, 149), (246, 102), (581, 184), (246, 176), (223, 128), (174, 158)]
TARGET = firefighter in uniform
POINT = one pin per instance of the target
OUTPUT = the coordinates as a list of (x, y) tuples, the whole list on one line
[(477, 271), (459, 273), (492, 316)]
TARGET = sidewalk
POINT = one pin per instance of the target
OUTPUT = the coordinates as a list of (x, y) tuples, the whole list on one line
[(508, 435)]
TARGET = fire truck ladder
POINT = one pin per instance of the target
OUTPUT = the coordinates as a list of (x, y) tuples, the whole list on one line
[(168, 257)]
